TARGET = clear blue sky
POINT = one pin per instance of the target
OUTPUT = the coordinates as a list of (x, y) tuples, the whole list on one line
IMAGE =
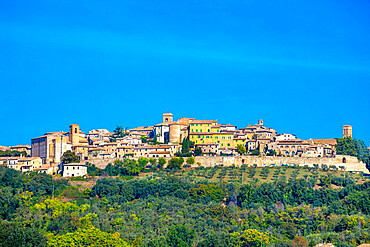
[(302, 66)]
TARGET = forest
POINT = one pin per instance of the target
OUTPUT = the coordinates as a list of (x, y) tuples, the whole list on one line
[(138, 203)]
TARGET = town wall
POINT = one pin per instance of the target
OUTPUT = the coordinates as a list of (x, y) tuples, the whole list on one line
[(352, 163)]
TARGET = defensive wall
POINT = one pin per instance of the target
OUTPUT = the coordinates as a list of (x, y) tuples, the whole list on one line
[(351, 163)]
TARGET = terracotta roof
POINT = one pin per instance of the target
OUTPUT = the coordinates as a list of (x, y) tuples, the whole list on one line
[(203, 121), (159, 152), (228, 125), (325, 141), (28, 158), (74, 164)]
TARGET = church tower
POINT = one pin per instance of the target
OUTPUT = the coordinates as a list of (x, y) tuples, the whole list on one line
[(74, 134), (347, 131), (167, 117)]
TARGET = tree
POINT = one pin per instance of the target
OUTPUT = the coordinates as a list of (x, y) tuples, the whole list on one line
[(119, 132), (143, 161), (132, 167), (255, 152), (185, 151), (13, 235), (143, 139), (346, 146), (70, 157), (175, 163), (161, 162), (153, 162), (241, 149), (300, 241), (198, 151), (180, 236), (87, 237), (190, 161)]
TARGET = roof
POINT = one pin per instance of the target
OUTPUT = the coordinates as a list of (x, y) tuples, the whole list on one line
[(203, 121), (74, 164), (228, 125), (21, 146), (28, 158), (325, 141), (207, 144), (159, 152)]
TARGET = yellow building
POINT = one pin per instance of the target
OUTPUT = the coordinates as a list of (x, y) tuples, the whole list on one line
[(203, 126), (208, 131)]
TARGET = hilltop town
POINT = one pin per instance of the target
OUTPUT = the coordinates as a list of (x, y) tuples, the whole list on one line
[(208, 138)]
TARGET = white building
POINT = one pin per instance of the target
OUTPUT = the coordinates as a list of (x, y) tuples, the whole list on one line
[(74, 170), (285, 137)]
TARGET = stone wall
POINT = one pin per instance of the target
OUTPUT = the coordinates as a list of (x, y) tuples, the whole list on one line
[(352, 163)]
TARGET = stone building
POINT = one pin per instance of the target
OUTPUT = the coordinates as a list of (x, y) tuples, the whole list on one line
[(347, 131)]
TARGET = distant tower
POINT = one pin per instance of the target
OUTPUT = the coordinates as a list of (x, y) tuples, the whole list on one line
[(74, 134), (347, 131), (167, 117), (260, 122)]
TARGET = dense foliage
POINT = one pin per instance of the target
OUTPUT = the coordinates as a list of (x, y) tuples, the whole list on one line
[(353, 147), (8, 153), (197, 207)]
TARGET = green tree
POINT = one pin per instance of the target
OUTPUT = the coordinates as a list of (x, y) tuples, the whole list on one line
[(180, 236), (70, 157), (142, 161), (190, 161), (13, 235), (161, 162), (132, 167), (346, 146), (198, 151), (119, 132), (143, 139), (241, 149), (87, 237), (153, 162), (185, 151), (175, 163)]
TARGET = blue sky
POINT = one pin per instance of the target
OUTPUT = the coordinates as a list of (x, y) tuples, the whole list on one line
[(302, 66)]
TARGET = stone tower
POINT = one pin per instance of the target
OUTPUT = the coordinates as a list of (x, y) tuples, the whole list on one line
[(74, 134), (167, 117), (260, 122), (347, 131)]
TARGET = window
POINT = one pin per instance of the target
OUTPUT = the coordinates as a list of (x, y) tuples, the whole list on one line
[(209, 130), (223, 137), (75, 130)]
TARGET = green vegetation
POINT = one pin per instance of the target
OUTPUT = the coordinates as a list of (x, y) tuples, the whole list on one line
[(119, 132), (70, 157), (353, 147), (9, 153), (241, 149), (218, 206)]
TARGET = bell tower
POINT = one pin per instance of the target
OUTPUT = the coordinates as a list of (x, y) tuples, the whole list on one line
[(167, 117), (347, 131), (74, 134), (260, 122)]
